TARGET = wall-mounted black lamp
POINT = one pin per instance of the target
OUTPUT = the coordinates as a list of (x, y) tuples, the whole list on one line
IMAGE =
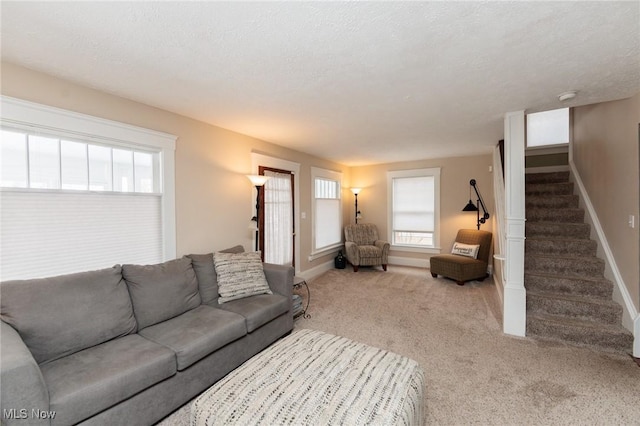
[(356, 191), (470, 207), (258, 181)]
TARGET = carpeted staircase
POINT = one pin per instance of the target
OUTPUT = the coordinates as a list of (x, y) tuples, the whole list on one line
[(568, 297)]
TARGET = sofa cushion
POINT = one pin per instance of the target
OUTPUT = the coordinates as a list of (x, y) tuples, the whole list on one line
[(197, 333), (258, 310), (161, 291), (89, 381), (206, 273), (61, 315), (239, 275)]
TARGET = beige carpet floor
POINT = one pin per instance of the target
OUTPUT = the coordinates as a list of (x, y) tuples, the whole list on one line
[(475, 374)]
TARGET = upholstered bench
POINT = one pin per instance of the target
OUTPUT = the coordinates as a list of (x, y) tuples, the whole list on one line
[(314, 378)]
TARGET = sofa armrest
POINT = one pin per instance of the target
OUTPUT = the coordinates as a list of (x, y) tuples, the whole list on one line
[(24, 391), (280, 278)]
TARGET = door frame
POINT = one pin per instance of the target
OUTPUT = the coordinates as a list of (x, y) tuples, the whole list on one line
[(258, 160), (261, 170)]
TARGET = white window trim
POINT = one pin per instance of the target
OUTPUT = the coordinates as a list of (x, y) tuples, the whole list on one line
[(317, 172), (20, 114), (433, 171)]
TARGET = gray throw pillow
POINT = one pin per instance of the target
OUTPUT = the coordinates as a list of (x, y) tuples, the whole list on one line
[(163, 291), (61, 315), (206, 274), (239, 275)]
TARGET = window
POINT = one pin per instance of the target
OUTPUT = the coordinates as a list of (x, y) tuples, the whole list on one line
[(327, 209), (55, 163), (548, 128), (81, 193), (414, 208)]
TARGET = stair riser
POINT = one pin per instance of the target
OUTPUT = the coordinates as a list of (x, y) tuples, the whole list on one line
[(571, 286), (555, 215), (555, 177), (574, 247), (612, 342), (549, 189), (602, 314), (590, 267), (554, 201), (565, 230)]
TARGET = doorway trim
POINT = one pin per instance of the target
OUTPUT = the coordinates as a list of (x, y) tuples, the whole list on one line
[(258, 160)]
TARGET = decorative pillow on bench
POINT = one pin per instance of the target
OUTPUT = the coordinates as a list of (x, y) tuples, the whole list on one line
[(469, 250), (239, 275)]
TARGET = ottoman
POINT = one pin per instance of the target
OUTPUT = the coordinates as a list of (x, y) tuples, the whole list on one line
[(314, 378)]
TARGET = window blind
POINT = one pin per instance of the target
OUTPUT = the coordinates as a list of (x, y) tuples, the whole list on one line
[(46, 233)]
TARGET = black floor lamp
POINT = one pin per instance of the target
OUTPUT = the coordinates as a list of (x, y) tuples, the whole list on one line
[(470, 207), (356, 191), (258, 181)]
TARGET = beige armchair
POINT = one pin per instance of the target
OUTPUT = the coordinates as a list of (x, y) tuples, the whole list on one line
[(363, 247), (464, 268)]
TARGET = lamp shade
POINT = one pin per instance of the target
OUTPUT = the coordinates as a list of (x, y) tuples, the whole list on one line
[(356, 191), (470, 207), (258, 180)]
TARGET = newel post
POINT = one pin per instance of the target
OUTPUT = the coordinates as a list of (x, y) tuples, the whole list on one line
[(515, 296)]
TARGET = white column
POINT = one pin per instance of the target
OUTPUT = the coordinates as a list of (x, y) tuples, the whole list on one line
[(515, 296)]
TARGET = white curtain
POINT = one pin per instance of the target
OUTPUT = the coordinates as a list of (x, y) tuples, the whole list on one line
[(278, 219)]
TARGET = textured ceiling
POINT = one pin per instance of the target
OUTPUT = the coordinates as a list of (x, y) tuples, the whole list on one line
[(354, 82)]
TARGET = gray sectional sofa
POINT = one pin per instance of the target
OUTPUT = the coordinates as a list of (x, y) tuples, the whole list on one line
[(129, 344)]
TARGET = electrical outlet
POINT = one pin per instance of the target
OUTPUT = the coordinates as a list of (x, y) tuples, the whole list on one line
[(632, 221)]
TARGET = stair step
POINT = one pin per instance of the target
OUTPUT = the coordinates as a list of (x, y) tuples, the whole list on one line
[(566, 246), (612, 338), (571, 215), (557, 229), (552, 201), (577, 266), (553, 177), (596, 309), (565, 188), (562, 284)]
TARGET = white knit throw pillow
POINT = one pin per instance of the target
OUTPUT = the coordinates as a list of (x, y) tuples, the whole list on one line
[(239, 275)]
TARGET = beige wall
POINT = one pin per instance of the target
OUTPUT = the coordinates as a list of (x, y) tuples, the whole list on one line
[(455, 174), (214, 199), (605, 153), (213, 196)]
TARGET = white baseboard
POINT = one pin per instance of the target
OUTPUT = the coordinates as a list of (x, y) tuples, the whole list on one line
[(636, 337), (316, 271), (631, 318), (408, 261)]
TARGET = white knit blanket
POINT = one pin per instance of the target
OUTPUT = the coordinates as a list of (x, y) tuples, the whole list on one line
[(314, 378)]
